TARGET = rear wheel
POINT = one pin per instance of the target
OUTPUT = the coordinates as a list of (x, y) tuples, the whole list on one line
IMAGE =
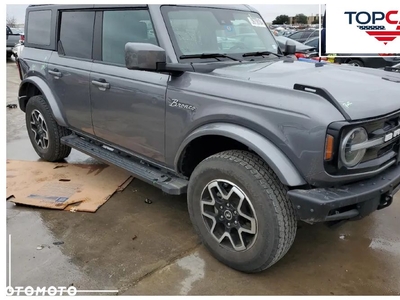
[(44, 132), (240, 210)]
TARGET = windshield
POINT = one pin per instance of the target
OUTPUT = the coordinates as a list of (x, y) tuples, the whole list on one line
[(197, 30)]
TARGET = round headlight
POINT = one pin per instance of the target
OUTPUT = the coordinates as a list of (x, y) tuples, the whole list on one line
[(356, 136)]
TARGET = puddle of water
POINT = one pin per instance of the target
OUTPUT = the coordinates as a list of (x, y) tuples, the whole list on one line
[(385, 245), (195, 266), (35, 260)]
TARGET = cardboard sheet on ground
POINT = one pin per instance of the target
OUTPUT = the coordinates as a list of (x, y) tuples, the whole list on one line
[(74, 187)]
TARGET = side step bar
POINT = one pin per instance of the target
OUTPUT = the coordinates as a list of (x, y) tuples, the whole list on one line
[(167, 183)]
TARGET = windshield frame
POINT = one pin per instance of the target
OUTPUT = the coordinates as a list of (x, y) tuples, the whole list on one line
[(165, 9)]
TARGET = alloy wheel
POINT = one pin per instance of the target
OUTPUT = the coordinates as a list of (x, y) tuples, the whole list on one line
[(229, 215), (39, 128)]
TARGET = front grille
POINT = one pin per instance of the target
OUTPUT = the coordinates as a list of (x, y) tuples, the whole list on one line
[(378, 129)]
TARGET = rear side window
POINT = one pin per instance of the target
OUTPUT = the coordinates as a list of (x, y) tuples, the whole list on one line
[(313, 43), (38, 29), (120, 27), (76, 34), (315, 33), (296, 35)]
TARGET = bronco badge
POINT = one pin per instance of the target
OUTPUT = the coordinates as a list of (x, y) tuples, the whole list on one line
[(176, 103)]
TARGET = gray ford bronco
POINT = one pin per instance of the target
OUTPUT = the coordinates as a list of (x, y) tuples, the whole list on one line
[(200, 100)]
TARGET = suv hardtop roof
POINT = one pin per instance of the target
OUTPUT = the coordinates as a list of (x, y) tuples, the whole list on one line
[(244, 7)]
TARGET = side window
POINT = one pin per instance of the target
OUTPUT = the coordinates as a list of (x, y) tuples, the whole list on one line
[(38, 29), (121, 27), (306, 35), (315, 33), (313, 43), (76, 33), (296, 35)]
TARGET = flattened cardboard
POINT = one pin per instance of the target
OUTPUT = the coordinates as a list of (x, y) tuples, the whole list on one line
[(75, 187)]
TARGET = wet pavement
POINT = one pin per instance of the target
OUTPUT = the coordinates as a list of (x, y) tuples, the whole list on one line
[(151, 249)]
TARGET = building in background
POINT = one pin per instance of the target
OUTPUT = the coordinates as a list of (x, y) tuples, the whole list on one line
[(310, 20)]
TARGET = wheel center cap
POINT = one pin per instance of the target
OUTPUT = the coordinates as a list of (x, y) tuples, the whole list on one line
[(228, 215)]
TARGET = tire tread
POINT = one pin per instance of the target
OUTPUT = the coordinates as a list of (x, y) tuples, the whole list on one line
[(61, 151), (266, 178)]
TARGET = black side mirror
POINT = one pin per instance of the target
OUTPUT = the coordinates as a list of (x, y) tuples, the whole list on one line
[(290, 48), (143, 56)]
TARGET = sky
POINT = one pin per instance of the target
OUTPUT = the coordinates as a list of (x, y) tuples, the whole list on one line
[(268, 12)]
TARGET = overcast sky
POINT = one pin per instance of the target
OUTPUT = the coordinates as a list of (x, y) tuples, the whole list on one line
[(268, 12)]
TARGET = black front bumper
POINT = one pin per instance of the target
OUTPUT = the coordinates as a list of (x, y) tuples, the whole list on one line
[(349, 202)]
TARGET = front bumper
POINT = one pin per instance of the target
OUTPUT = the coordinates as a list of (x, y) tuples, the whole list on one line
[(349, 202)]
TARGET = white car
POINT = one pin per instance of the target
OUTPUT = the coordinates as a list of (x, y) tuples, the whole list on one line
[(17, 50)]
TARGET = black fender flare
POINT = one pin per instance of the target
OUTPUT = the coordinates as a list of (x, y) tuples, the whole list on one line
[(272, 155), (55, 104)]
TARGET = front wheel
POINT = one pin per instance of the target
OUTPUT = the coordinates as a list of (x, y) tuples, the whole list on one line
[(240, 210)]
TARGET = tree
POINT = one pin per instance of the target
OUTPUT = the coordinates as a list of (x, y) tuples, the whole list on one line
[(301, 19), (282, 19), (11, 21), (316, 21)]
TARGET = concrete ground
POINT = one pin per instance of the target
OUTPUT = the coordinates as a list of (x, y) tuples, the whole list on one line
[(100, 250)]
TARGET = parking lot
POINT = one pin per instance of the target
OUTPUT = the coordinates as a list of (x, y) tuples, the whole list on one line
[(151, 249)]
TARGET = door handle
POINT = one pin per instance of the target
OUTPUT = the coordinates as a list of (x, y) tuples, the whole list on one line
[(101, 84), (55, 73)]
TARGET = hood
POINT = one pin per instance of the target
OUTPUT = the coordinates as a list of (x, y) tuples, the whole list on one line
[(359, 93)]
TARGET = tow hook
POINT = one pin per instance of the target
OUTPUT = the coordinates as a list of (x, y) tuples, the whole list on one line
[(385, 202)]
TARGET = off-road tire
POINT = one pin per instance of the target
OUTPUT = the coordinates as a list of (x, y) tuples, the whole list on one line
[(56, 151), (277, 222)]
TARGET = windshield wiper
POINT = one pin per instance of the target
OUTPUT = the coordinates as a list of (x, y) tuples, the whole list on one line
[(261, 53), (207, 55)]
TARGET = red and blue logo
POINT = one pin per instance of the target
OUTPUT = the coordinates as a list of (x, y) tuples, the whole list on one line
[(384, 26)]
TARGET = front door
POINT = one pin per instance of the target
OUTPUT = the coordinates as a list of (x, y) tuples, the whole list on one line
[(68, 69), (128, 106)]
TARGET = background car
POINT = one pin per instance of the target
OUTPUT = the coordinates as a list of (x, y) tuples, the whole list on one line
[(11, 40), (362, 60), (19, 31), (304, 35), (313, 42), (17, 50)]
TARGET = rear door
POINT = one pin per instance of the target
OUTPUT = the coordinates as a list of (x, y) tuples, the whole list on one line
[(128, 106), (69, 67)]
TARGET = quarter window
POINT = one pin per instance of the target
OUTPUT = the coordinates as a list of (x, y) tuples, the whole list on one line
[(121, 27), (38, 29), (76, 33)]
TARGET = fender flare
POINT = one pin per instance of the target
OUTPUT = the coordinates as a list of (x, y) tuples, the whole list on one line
[(272, 155), (55, 105)]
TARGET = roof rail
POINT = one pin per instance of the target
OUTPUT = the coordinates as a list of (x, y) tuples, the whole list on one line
[(33, 5)]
